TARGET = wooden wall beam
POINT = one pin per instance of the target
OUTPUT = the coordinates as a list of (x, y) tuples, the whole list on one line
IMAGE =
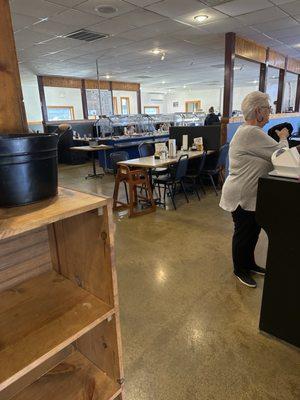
[(293, 65), (228, 73), (276, 60), (297, 100), (139, 101), (42, 99), (62, 81), (12, 110), (250, 50), (280, 92), (84, 100)]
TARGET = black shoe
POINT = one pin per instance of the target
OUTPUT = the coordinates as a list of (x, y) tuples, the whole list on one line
[(258, 270), (245, 278)]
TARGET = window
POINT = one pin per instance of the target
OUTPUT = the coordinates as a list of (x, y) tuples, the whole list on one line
[(60, 113), (125, 105), (115, 103), (192, 106), (151, 109)]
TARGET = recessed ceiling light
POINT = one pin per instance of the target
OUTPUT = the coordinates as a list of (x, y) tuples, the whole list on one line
[(200, 18), (163, 82), (106, 9), (184, 87), (107, 76), (156, 51)]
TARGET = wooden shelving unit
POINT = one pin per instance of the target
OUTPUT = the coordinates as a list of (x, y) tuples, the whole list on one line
[(59, 317)]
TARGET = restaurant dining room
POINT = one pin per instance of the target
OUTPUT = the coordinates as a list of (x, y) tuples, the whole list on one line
[(149, 182)]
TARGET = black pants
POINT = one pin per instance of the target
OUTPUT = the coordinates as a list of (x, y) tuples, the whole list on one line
[(245, 237)]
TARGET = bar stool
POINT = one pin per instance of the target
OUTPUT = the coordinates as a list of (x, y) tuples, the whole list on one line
[(135, 179)]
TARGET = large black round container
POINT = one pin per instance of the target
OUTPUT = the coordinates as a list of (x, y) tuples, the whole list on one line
[(28, 168)]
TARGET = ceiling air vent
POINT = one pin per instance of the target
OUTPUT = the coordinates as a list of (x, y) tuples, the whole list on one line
[(86, 35)]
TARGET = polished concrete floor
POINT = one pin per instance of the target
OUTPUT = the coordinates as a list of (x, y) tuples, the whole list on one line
[(189, 328)]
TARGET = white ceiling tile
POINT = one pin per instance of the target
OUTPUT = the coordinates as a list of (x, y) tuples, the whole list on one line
[(292, 7), (27, 38), (22, 21), (272, 26), (238, 7), (75, 17), (52, 28), (66, 3), (138, 18), (111, 28), (174, 8), (225, 25), (279, 2), (36, 8), (143, 3), (292, 40), (256, 17), (121, 7), (153, 30)]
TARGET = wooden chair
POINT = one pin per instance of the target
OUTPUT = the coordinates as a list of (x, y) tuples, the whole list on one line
[(135, 179)]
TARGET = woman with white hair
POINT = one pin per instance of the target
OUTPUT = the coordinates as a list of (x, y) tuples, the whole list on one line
[(249, 158)]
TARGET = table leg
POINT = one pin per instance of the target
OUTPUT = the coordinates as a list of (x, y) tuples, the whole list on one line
[(94, 174)]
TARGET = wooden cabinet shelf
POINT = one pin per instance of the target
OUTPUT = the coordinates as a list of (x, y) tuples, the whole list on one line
[(58, 292), (76, 378), (40, 317)]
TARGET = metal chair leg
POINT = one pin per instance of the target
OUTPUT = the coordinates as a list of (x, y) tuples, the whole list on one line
[(172, 192), (184, 191), (213, 183), (196, 189)]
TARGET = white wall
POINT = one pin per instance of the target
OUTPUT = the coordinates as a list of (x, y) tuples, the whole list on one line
[(239, 93), (154, 98), (59, 96), (208, 98), (32, 101), (132, 99)]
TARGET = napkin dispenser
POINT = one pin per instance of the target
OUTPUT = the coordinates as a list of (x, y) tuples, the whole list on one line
[(172, 148), (286, 163)]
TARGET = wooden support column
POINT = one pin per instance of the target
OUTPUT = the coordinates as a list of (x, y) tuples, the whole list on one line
[(12, 110), (297, 100), (263, 74), (112, 96), (280, 92), (139, 101), (42, 99), (84, 100), (230, 39)]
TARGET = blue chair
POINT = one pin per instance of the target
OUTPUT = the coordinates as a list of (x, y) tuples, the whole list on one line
[(217, 170), (173, 179)]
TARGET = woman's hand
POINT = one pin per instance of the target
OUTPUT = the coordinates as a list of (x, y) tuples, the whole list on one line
[(283, 134)]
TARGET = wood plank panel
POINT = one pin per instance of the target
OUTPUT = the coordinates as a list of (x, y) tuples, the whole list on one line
[(276, 59), (93, 84), (293, 65), (36, 373), (74, 379), (129, 86), (83, 250), (23, 257), (100, 346), (250, 50), (17, 220), (12, 110), (62, 81), (39, 318)]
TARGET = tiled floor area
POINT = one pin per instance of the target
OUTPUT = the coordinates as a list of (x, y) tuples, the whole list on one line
[(190, 329)]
